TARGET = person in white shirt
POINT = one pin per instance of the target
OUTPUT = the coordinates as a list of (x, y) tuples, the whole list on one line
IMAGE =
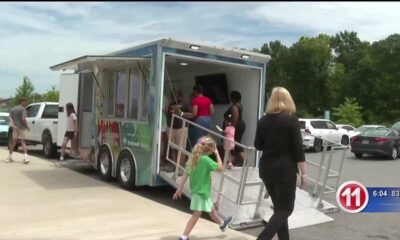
[(71, 132)]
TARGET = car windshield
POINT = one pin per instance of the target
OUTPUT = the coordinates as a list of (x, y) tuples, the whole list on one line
[(4, 120), (396, 125), (363, 128), (302, 124), (376, 132)]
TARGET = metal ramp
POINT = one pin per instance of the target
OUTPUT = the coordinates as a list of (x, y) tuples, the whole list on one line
[(240, 192)]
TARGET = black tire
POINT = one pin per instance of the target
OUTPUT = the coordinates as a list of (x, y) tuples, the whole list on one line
[(104, 163), (126, 171), (358, 155), (10, 131), (345, 140), (394, 154), (49, 148), (318, 145)]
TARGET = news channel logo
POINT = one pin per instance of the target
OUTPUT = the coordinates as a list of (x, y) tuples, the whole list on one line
[(354, 197)]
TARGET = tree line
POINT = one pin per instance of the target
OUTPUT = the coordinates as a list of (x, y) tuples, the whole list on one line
[(27, 89), (357, 80)]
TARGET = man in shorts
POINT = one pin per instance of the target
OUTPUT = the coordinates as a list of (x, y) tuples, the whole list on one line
[(20, 126)]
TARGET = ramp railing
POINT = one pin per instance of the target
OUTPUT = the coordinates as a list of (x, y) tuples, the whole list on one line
[(229, 185), (329, 166), (239, 192)]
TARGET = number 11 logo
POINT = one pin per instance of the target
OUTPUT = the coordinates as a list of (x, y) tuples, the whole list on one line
[(352, 197)]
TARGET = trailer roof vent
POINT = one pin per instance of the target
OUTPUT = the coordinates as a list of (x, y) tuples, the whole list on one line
[(194, 47), (245, 56)]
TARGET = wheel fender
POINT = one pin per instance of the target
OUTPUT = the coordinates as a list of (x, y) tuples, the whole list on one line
[(134, 161), (113, 161)]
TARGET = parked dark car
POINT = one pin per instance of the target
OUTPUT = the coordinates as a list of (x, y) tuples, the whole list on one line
[(379, 141)]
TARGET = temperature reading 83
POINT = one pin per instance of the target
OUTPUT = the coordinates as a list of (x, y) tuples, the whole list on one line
[(396, 193)]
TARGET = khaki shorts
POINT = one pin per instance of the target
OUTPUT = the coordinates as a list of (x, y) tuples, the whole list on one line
[(177, 134), (19, 133)]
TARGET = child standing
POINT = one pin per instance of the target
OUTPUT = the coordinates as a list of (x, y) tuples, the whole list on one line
[(229, 145), (198, 169)]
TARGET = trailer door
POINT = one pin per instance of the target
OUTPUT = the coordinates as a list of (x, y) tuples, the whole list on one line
[(69, 90), (86, 110)]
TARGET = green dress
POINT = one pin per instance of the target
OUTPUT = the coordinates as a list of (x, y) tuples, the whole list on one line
[(200, 184)]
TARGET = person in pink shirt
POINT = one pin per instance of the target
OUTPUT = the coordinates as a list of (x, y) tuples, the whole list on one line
[(202, 109), (229, 145)]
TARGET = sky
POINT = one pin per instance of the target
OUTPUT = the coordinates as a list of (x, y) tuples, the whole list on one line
[(37, 35)]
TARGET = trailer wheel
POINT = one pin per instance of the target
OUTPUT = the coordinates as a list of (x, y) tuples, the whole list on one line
[(126, 171), (104, 163), (49, 148)]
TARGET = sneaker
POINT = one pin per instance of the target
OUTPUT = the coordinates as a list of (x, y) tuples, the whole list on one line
[(229, 166), (225, 224), (26, 161), (181, 238), (59, 163), (9, 159)]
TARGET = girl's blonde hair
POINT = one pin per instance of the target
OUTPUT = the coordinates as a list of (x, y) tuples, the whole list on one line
[(280, 101), (205, 146)]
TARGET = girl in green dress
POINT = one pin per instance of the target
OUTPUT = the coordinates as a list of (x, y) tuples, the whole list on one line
[(198, 170)]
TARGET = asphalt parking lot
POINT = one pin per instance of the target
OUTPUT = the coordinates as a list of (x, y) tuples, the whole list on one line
[(371, 171)]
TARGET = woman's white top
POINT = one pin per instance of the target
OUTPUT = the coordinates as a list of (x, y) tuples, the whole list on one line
[(70, 122)]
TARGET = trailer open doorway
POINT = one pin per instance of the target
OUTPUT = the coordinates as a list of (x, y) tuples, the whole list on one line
[(218, 80)]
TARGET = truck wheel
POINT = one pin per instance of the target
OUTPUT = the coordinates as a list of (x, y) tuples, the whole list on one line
[(345, 140), (10, 130), (49, 148), (126, 171), (104, 163), (318, 145)]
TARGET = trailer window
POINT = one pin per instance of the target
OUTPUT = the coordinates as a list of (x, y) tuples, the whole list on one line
[(111, 96), (135, 86), (145, 104), (121, 96), (50, 111)]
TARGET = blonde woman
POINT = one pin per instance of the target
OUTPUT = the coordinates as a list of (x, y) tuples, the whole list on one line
[(198, 169), (279, 138)]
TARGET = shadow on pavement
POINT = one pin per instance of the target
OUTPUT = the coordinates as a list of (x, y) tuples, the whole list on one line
[(221, 236), (57, 179)]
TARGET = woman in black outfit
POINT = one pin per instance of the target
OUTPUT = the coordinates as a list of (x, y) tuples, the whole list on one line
[(236, 111), (279, 138)]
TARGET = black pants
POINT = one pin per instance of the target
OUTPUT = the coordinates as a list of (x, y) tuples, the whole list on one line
[(282, 196)]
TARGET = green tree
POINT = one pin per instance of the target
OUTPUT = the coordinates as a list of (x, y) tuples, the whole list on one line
[(308, 67), (349, 112), (276, 70), (385, 76), (52, 95), (26, 89)]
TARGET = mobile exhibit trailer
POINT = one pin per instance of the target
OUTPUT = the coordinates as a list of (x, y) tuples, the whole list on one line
[(119, 99)]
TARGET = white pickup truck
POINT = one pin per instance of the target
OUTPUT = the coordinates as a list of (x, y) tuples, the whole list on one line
[(42, 119)]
